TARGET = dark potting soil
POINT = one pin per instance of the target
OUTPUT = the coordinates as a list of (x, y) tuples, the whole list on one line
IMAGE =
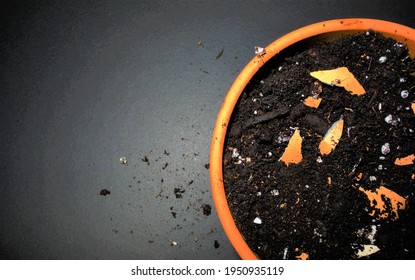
[(316, 207)]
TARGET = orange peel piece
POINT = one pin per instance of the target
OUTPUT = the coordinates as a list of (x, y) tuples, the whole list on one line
[(303, 256), (332, 137), (292, 153), (377, 200), (408, 160), (340, 77), (413, 107), (312, 102)]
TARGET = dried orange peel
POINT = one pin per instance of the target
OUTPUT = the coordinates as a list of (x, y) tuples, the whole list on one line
[(377, 200), (332, 137), (312, 102), (408, 160), (413, 107), (292, 153), (340, 77), (302, 256)]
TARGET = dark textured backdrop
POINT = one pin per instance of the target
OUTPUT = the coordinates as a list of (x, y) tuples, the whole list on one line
[(84, 83)]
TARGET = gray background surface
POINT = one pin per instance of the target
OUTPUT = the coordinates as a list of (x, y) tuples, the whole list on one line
[(84, 83)]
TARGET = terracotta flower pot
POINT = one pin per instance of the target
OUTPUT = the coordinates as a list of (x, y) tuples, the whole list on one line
[(323, 31)]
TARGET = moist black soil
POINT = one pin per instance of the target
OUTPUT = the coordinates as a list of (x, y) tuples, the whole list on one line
[(315, 207)]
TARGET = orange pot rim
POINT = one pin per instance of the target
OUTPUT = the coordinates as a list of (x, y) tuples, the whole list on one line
[(399, 32)]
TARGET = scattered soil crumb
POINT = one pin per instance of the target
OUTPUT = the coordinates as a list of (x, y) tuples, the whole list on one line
[(146, 160), (216, 244), (220, 53), (207, 209), (174, 214), (178, 192), (104, 192)]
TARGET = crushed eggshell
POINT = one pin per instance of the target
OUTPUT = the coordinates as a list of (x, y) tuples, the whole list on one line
[(377, 200), (340, 77), (123, 160), (259, 50), (292, 153), (367, 250), (332, 137), (371, 234), (408, 160), (312, 102)]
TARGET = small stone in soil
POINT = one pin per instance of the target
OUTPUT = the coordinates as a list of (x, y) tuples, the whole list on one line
[(385, 149), (216, 244), (391, 120), (275, 192), (207, 209), (382, 59), (104, 192), (257, 221), (404, 93)]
